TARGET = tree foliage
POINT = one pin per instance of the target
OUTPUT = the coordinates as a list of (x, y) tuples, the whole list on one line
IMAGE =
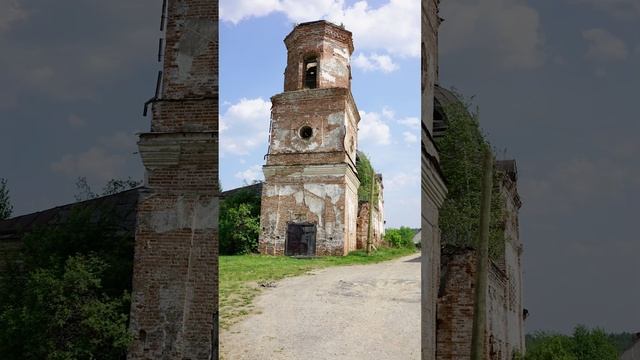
[(402, 237), (5, 203), (67, 295), (63, 313), (365, 175), (461, 153), (240, 223), (622, 341), (584, 344)]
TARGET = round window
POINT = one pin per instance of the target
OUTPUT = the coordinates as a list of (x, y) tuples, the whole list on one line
[(306, 132)]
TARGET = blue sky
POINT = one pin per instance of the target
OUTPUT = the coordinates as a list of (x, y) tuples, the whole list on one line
[(385, 86)]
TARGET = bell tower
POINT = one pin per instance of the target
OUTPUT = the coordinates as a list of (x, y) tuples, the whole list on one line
[(309, 198)]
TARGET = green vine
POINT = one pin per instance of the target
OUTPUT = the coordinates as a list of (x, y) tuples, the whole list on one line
[(460, 151), (365, 172)]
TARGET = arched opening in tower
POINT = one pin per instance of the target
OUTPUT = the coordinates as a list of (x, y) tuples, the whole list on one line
[(311, 74)]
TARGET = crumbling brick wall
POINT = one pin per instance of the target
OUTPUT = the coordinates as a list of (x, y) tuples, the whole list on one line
[(363, 226), (456, 307), (174, 296), (322, 40)]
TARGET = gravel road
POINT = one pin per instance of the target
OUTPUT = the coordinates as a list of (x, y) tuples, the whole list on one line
[(348, 312)]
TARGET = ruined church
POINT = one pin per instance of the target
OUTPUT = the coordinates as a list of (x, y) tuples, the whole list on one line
[(310, 195), (449, 272)]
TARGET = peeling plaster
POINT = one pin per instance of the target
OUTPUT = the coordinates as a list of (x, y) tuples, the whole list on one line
[(184, 216), (342, 52), (194, 42), (328, 77)]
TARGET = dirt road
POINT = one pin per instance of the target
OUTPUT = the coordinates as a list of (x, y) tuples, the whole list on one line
[(350, 312)]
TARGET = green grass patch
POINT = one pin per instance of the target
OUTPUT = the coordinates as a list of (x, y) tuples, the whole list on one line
[(241, 275)]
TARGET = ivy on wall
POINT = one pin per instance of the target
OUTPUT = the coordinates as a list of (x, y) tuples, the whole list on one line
[(460, 151), (365, 172)]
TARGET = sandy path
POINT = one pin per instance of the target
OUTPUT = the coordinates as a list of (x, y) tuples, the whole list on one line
[(349, 312)]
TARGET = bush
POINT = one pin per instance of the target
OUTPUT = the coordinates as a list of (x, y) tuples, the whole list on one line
[(240, 223), (402, 237)]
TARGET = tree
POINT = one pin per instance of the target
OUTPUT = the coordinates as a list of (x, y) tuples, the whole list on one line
[(593, 344), (67, 294), (240, 223), (63, 314), (5, 204), (550, 346), (584, 344), (402, 237)]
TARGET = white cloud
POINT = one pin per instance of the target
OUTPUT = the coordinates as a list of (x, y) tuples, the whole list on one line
[(238, 10), (36, 68), (96, 164), (410, 138), (246, 126), (76, 121), (120, 141), (618, 8), (508, 30), (374, 62), (11, 13), (411, 122), (401, 180), (251, 174), (101, 162), (374, 29), (604, 46), (373, 129), (580, 182)]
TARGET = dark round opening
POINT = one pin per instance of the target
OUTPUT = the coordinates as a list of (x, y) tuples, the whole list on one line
[(306, 132)]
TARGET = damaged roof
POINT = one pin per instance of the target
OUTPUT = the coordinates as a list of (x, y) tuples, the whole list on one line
[(123, 203)]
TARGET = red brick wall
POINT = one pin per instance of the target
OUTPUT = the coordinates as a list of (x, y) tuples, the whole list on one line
[(363, 226), (174, 297), (455, 308)]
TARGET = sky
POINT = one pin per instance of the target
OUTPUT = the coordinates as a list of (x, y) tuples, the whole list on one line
[(555, 81)]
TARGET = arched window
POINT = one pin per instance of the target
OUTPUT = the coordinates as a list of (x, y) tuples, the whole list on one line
[(311, 73)]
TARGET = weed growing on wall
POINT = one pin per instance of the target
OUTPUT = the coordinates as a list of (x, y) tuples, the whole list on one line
[(460, 151), (365, 175)]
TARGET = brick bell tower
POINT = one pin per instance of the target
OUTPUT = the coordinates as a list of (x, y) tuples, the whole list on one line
[(174, 296), (309, 198)]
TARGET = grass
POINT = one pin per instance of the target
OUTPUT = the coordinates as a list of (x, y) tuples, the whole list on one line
[(241, 275)]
